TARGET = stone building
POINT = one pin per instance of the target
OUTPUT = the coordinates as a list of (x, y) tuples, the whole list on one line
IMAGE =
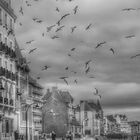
[(91, 117), (56, 110), (36, 93), (8, 123)]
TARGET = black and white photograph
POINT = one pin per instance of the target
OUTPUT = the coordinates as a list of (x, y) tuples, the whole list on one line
[(69, 69)]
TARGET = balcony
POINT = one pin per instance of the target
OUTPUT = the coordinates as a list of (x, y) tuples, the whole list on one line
[(7, 74), (6, 102), (8, 51)]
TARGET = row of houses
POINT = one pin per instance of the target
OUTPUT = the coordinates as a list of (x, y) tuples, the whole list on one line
[(62, 115), (20, 94), (119, 124)]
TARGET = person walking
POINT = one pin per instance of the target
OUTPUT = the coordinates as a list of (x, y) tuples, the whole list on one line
[(53, 135)]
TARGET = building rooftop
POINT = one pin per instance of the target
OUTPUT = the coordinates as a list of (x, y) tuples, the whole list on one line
[(63, 96)]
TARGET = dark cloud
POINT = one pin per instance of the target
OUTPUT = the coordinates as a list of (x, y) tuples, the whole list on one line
[(116, 76)]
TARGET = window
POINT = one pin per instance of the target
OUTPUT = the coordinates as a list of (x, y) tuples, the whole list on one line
[(6, 20), (6, 64), (23, 112), (11, 24), (0, 62), (5, 41), (0, 16), (0, 37), (85, 115)]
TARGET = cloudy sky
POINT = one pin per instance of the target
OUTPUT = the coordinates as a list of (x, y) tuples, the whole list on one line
[(116, 76)]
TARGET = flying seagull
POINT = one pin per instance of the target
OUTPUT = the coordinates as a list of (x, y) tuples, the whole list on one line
[(112, 50), (87, 70), (100, 44), (32, 50), (57, 9), (21, 10), (128, 9), (75, 81), (73, 49), (64, 16), (66, 68), (29, 42), (60, 28), (45, 67), (134, 56), (73, 28), (54, 37), (50, 27), (88, 27), (87, 63), (64, 78), (130, 36), (75, 9)]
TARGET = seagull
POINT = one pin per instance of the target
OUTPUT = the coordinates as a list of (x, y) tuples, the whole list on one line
[(112, 50), (54, 37), (32, 50), (45, 67), (50, 27), (73, 28), (75, 9), (128, 9), (74, 72), (87, 70), (39, 21), (88, 27), (75, 81), (64, 78), (20, 24), (64, 16), (130, 36), (134, 56), (21, 10), (73, 49), (29, 42), (87, 63), (57, 9), (60, 28), (100, 44), (66, 68)]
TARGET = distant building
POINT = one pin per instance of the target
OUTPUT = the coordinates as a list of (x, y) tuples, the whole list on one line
[(110, 125), (135, 129), (36, 93), (56, 111), (122, 120), (91, 117)]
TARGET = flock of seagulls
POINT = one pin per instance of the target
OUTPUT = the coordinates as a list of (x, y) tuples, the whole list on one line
[(60, 27)]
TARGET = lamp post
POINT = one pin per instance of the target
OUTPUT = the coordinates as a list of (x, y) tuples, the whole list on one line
[(26, 113)]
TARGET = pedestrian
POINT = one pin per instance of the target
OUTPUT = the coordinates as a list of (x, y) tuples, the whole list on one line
[(63, 138), (70, 136), (53, 135)]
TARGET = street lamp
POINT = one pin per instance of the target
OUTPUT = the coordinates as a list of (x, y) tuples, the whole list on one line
[(26, 113)]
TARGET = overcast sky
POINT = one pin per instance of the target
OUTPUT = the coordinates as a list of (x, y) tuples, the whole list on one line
[(117, 77)]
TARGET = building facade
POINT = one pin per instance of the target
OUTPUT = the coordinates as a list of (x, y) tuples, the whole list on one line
[(122, 121), (36, 93), (8, 123), (91, 117), (110, 125), (135, 130), (56, 109)]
